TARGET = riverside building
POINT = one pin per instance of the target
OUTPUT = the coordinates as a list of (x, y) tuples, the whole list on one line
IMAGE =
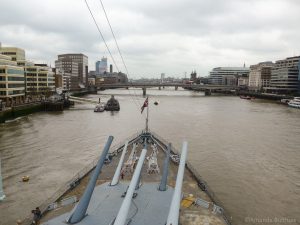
[(227, 75), (77, 66), (285, 76), (12, 81), (260, 75), (16, 54), (40, 79)]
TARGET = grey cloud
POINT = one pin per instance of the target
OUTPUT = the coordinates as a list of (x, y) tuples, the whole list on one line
[(171, 36)]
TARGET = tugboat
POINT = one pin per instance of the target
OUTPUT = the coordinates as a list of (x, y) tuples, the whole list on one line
[(112, 104)]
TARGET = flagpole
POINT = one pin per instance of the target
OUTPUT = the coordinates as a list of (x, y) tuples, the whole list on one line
[(147, 115)]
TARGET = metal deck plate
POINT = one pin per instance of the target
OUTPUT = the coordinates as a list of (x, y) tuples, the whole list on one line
[(152, 205)]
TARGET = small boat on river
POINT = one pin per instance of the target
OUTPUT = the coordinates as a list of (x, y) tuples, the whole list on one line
[(245, 97), (295, 103), (99, 107)]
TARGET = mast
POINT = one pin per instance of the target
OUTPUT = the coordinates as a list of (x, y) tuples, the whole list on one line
[(147, 115)]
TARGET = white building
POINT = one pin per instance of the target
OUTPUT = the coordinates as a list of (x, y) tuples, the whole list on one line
[(225, 75), (260, 75), (40, 79), (12, 81)]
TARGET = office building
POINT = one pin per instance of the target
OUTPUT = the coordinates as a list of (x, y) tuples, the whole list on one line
[(101, 66), (243, 81), (111, 78), (76, 65), (40, 79), (260, 75), (12, 81), (16, 54), (285, 76), (227, 75)]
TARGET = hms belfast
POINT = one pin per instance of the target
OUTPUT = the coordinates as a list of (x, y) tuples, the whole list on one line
[(143, 181)]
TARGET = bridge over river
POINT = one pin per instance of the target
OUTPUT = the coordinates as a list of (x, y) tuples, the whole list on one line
[(208, 88)]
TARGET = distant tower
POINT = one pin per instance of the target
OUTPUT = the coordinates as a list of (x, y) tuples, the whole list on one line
[(193, 76), (111, 68), (2, 195), (162, 77), (101, 66), (244, 64)]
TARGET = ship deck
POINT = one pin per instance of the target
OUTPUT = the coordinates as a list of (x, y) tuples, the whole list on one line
[(150, 206)]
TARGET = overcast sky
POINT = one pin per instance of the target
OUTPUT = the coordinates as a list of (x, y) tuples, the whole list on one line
[(157, 36)]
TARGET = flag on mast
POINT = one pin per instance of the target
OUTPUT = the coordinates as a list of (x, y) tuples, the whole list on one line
[(144, 105)]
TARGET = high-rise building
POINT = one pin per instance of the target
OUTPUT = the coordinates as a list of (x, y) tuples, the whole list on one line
[(285, 76), (101, 66), (76, 65), (225, 75), (162, 77), (12, 81), (260, 75)]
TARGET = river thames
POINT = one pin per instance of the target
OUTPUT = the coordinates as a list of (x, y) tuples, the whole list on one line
[(247, 151)]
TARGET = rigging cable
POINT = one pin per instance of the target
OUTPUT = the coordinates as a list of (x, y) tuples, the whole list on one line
[(116, 42), (108, 47), (101, 35)]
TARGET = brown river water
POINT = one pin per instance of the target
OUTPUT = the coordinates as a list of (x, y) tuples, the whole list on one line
[(247, 151)]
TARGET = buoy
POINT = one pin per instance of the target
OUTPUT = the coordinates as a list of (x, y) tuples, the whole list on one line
[(155, 103), (25, 178)]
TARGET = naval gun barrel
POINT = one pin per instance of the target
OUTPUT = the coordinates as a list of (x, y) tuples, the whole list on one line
[(173, 215), (79, 211), (123, 212), (115, 179), (163, 182)]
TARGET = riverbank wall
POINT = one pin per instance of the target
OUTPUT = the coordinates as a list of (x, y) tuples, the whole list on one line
[(29, 108), (21, 110)]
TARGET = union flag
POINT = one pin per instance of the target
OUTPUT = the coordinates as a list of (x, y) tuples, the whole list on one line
[(144, 105)]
